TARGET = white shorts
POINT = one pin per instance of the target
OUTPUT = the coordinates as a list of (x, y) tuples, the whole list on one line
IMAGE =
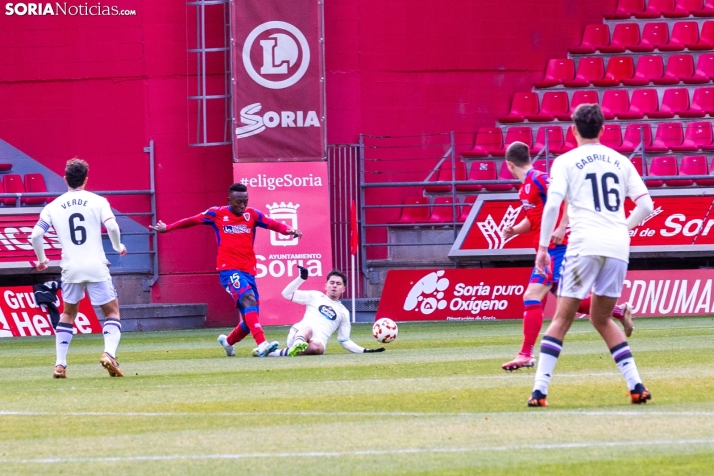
[(100, 293), (602, 275), (293, 332)]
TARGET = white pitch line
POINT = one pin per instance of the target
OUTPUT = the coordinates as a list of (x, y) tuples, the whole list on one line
[(333, 454), (549, 413)]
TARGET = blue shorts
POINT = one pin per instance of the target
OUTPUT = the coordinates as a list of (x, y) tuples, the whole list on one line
[(557, 253), (237, 284)]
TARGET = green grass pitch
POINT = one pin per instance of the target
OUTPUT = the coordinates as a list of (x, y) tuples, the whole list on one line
[(437, 402)]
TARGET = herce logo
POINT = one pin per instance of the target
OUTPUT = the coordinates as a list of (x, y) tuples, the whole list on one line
[(278, 55), (427, 295), (494, 233), (255, 123), (286, 214)]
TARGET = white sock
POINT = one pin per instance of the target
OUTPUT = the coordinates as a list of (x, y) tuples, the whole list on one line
[(279, 353), (626, 363), (112, 335), (550, 348), (63, 337)]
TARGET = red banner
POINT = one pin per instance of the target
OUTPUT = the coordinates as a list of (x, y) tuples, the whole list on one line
[(295, 194), (21, 316), (490, 294), (681, 222), (278, 90), (15, 247)]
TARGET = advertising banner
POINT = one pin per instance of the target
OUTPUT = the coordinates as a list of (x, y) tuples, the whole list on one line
[(297, 195), (497, 293), (278, 81), (15, 247), (21, 316), (681, 222)]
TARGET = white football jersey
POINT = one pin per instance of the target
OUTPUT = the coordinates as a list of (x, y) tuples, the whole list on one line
[(324, 315), (77, 218), (596, 180)]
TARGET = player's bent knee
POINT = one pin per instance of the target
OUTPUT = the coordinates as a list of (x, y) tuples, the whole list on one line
[(315, 348), (248, 300), (111, 309)]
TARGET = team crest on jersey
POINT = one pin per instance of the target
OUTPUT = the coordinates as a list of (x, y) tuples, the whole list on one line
[(527, 205), (528, 188), (328, 312), (225, 218), (246, 216), (236, 229)]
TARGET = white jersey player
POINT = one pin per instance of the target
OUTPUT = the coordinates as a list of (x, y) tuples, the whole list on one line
[(324, 315), (77, 217), (595, 180)]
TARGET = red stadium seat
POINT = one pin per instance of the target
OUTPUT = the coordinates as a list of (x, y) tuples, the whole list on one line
[(12, 183), (553, 104), (415, 214), (513, 134), (488, 139), (444, 175), (707, 9), (473, 175), (524, 104), (653, 35), (624, 36), (706, 38), (683, 9), (693, 165), (674, 102), (648, 69), (34, 183), (614, 102), (612, 136), (679, 67), (503, 174), (618, 68), (662, 166), (555, 138), (702, 103), (569, 144), (644, 102), (441, 213), (5, 167), (625, 9), (655, 8), (668, 134), (683, 33), (634, 133), (637, 163), (589, 70), (696, 165), (540, 165), (704, 72), (466, 208), (558, 70), (579, 97), (697, 136), (594, 37)]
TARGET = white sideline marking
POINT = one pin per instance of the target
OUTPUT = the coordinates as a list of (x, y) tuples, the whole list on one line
[(358, 414), (320, 454)]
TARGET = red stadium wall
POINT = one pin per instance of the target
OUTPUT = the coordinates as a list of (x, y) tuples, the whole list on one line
[(101, 87)]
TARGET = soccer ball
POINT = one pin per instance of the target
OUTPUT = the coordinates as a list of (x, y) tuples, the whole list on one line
[(385, 330)]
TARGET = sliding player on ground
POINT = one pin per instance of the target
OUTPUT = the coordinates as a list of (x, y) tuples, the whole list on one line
[(595, 180), (532, 193), (235, 226), (77, 217), (324, 315)]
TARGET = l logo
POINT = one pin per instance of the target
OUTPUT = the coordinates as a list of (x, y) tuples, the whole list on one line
[(279, 53)]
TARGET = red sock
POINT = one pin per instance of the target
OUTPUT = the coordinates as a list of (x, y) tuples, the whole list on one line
[(251, 320), (238, 334), (585, 305), (532, 323)]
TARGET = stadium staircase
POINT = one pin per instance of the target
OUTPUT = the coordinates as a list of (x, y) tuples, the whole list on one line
[(650, 65)]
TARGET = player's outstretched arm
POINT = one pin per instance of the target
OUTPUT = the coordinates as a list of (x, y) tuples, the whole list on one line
[(162, 227), (291, 292), (643, 207)]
